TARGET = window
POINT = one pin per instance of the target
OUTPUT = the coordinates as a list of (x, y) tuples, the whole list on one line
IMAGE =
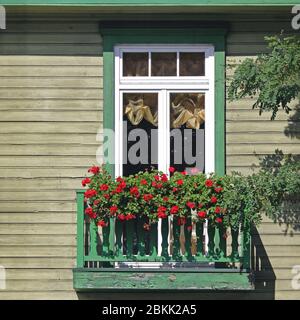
[(164, 108)]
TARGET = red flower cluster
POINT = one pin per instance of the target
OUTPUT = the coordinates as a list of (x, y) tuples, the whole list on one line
[(90, 193), (126, 217), (174, 210), (89, 211), (147, 197), (85, 181), (209, 183), (94, 170), (161, 212)]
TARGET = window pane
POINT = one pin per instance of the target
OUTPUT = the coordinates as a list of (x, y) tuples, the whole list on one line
[(140, 136), (187, 125), (135, 64), (191, 64), (163, 64)]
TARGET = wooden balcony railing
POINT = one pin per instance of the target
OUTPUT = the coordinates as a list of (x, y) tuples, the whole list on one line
[(125, 256)]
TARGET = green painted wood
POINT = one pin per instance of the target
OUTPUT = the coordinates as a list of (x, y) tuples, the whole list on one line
[(222, 241), (246, 245), (165, 240), (155, 258), (176, 240), (119, 235), (188, 239), (153, 241), (211, 231), (159, 280), (164, 35), (80, 228), (199, 235), (106, 237), (112, 233), (113, 3), (234, 244), (129, 238), (93, 239), (141, 233)]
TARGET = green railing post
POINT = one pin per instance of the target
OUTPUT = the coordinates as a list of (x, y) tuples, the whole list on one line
[(80, 228), (246, 246)]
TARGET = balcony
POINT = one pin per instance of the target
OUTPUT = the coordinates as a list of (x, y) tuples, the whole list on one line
[(127, 256)]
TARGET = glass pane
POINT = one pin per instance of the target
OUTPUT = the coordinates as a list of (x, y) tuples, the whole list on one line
[(135, 64), (140, 136), (163, 64), (191, 64), (187, 128)]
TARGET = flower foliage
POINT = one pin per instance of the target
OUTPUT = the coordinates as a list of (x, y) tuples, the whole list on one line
[(155, 195), (273, 78), (229, 200)]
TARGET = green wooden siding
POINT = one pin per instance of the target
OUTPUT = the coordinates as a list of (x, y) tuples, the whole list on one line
[(51, 108)]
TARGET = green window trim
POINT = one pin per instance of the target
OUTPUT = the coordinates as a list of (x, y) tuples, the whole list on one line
[(165, 35)]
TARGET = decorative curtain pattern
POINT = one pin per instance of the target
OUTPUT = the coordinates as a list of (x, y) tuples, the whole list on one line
[(186, 109)]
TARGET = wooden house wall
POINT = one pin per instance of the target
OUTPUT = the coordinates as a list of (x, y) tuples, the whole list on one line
[(51, 103)]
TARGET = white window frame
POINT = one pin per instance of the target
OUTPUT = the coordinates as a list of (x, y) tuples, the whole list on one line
[(163, 86)]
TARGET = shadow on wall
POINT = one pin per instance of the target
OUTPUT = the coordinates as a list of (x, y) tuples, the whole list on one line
[(290, 213), (264, 274), (293, 128)]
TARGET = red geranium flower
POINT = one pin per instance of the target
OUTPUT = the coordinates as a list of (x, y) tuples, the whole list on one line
[(85, 181), (106, 196), (172, 169), (89, 211), (153, 184), (209, 183), (113, 209), (96, 202), (122, 184), (119, 189), (164, 178), (119, 179), (201, 214), (179, 182), (219, 189), (121, 217), (94, 170), (90, 193), (159, 185), (219, 220), (213, 199), (134, 191), (217, 210), (102, 223), (175, 189), (143, 182), (191, 205), (174, 210), (161, 215), (147, 197), (157, 178), (162, 209), (184, 173), (129, 216), (104, 187), (165, 199)]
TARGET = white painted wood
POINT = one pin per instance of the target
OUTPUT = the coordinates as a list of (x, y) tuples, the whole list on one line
[(163, 86)]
